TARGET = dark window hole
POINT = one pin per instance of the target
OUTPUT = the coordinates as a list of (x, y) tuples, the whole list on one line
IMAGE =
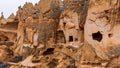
[(76, 39), (47, 57), (97, 36), (70, 38), (110, 35), (82, 4), (64, 24), (106, 11), (107, 18), (6, 39)]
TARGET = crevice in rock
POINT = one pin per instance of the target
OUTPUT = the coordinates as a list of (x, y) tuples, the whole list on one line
[(48, 51)]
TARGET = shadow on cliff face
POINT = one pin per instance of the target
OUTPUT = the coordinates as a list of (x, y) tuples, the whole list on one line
[(48, 51)]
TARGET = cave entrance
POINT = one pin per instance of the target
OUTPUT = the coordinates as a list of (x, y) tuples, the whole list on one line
[(97, 36), (70, 38)]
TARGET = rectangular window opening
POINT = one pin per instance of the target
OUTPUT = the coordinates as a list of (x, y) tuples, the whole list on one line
[(70, 38)]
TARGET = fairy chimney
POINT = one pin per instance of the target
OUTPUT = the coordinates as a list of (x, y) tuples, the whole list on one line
[(25, 11), (11, 18), (2, 19)]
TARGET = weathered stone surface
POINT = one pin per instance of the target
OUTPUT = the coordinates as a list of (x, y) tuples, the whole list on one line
[(2, 19), (50, 9), (71, 22), (102, 28), (62, 34), (39, 27), (25, 11), (11, 18), (5, 53)]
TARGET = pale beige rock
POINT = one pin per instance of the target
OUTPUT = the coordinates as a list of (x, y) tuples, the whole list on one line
[(35, 38), (11, 18), (3, 21), (69, 24), (102, 28), (3, 53), (56, 34), (20, 33), (25, 11)]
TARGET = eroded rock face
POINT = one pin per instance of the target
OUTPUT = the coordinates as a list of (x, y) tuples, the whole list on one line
[(70, 27), (71, 22), (39, 33), (2, 19), (25, 11), (40, 27), (102, 28), (5, 53), (57, 34), (11, 18)]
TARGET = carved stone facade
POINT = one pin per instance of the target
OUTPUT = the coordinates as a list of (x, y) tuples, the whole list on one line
[(71, 23)]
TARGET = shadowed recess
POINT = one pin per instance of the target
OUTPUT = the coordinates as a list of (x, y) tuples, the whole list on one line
[(97, 36)]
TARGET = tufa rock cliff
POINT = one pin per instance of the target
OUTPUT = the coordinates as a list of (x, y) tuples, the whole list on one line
[(62, 34)]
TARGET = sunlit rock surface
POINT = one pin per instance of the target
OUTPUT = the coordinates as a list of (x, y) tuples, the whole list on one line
[(62, 34)]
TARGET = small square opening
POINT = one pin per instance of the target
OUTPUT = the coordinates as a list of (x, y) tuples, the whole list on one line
[(70, 38)]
